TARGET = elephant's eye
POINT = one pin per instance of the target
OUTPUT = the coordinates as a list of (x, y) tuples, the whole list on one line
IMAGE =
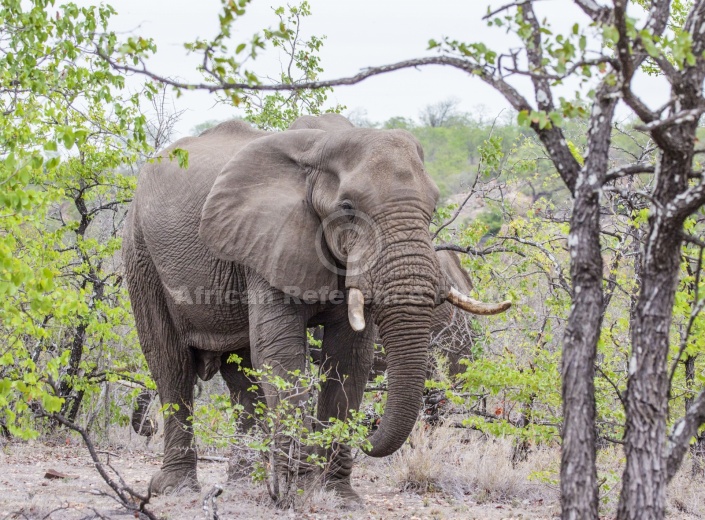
[(347, 208)]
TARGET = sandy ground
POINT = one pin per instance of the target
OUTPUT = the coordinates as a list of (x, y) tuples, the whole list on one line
[(26, 493)]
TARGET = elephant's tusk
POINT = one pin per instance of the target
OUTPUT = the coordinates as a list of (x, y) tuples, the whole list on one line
[(356, 309), (473, 306)]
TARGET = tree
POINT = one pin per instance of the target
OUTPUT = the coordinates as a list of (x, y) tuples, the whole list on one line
[(67, 131), (277, 111), (443, 113)]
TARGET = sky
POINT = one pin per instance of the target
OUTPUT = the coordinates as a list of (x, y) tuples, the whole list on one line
[(359, 34)]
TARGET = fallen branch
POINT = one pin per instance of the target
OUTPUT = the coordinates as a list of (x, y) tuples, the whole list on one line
[(211, 458), (128, 498)]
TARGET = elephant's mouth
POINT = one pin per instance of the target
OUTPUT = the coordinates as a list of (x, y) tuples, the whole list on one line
[(356, 306)]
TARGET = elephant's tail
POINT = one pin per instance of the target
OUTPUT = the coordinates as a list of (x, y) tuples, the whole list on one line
[(141, 422)]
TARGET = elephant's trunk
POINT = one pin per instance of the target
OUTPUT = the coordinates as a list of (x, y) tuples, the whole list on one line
[(405, 336), (406, 286)]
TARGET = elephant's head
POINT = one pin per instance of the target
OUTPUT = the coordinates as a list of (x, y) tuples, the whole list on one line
[(317, 211)]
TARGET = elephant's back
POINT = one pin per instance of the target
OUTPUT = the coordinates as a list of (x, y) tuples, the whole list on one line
[(169, 198), (166, 191)]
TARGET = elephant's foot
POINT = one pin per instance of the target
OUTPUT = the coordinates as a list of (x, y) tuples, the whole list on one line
[(343, 488), (174, 482)]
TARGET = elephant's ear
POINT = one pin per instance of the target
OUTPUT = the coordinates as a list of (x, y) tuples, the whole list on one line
[(454, 272), (257, 214)]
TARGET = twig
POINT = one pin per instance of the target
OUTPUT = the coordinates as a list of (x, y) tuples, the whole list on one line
[(676, 119), (477, 252), (629, 169), (210, 507), (54, 511), (697, 308), (597, 12), (613, 385), (472, 188), (518, 3), (612, 439), (108, 453)]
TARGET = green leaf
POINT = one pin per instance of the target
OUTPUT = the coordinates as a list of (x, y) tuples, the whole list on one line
[(181, 156), (523, 118), (51, 403)]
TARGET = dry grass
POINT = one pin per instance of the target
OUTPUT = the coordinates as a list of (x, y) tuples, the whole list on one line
[(686, 495), (448, 473), (459, 464)]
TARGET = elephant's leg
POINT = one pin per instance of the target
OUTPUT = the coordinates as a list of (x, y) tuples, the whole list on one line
[(239, 385), (278, 346), (346, 359), (174, 373), (173, 369)]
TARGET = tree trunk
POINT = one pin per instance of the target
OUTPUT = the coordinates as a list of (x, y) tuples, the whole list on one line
[(645, 478), (579, 497), (579, 490), (697, 450), (73, 403)]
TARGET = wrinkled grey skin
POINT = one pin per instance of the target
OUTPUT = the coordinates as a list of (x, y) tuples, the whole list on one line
[(243, 219), (449, 326)]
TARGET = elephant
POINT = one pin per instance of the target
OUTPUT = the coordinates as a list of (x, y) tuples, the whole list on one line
[(265, 234)]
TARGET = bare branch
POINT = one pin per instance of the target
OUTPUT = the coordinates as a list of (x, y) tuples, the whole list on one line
[(629, 169), (477, 252), (472, 188), (694, 25), (630, 59), (658, 16), (558, 269), (684, 430), (568, 72), (684, 116), (668, 70), (600, 135), (552, 138), (506, 7), (693, 240), (597, 12), (686, 203), (544, 96), (220, 85), (614, 387)]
